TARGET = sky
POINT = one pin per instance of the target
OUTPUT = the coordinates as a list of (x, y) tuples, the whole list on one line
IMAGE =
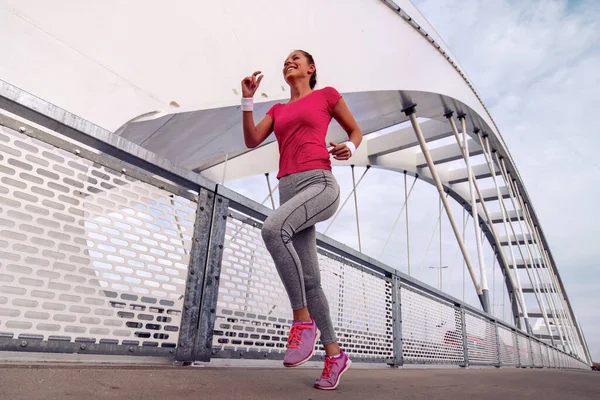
[(536, 64)]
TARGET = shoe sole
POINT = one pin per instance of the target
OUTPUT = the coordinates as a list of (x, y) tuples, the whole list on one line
[(346, 368), (317, 337)]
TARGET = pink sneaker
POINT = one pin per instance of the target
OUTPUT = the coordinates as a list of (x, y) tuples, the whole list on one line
[(301, 343), (332, 372)]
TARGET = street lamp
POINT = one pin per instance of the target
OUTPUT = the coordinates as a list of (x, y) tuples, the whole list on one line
[(440, 276)]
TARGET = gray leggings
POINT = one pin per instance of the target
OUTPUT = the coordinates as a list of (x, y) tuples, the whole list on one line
[(290, 236)]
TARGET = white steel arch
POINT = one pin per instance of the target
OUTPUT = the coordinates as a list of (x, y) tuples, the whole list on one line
[(108, 61)]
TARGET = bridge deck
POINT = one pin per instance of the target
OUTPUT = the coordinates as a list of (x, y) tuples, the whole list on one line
[(152, 382)]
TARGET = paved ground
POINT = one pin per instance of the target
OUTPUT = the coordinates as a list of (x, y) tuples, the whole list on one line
[(160, 382)]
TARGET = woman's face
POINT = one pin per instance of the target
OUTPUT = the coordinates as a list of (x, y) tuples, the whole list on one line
[(296, 66)]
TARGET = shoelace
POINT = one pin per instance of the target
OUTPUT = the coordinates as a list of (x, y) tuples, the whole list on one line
[(295, 334), (327, 369)]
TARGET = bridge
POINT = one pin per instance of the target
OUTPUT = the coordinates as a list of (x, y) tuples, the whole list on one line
[(120, 239)]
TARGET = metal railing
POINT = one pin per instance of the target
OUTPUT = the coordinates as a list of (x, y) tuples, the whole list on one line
[(107, 250)]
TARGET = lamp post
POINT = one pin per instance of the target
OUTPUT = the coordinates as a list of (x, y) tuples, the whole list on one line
[(440, 276)]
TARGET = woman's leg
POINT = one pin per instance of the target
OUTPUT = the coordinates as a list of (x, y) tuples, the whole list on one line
[(307, 198), (305, 243), (317, 202)]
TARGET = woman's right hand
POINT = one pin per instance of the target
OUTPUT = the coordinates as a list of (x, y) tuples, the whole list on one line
[(250, 84)]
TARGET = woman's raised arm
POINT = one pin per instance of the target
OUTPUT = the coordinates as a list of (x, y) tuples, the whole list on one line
[(254, 135)]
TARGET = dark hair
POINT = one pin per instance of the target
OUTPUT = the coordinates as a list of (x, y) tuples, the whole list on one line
[(311, 60)]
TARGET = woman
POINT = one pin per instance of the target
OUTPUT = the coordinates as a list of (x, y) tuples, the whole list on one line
[(308, 194)]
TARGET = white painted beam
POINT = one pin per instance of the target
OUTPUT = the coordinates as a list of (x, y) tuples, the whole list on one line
[(492, 194), (532, 264), (530, 289), (547, 337), (259, 161), (405, 138), (405, 161), (537, 314), (512, 215), (448, 153), (520, 238), (461, 175)]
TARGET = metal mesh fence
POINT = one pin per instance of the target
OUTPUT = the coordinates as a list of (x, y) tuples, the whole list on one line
[(87, 253), (524, 351), (361, 308), (537, 354), (508, 346), (557, 355), (253, 310), (431, 329), (544, 351), (481, 340)]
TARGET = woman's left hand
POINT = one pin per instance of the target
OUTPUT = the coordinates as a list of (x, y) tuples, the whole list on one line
[(340, 151)]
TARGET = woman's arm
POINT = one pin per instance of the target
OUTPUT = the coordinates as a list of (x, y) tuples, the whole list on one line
[(344, 117), (253, 134)]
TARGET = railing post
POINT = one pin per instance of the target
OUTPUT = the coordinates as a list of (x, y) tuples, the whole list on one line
[(200, 299), (516, 336), (498, 349), (397, 321), (559, 358), (531, 355), (210, 290), (463, 322), (193, 291)]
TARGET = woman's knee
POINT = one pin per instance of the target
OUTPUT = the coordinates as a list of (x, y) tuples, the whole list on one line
[(269, 231), (273, 232)]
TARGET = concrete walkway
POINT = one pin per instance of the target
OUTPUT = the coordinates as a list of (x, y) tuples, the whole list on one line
[(62, 381)]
